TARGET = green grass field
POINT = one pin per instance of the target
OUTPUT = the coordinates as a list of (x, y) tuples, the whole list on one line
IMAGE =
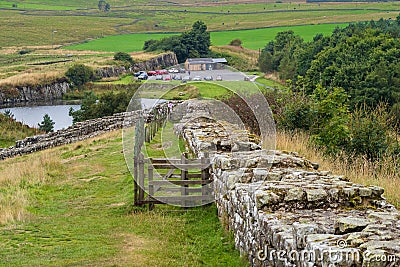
[(252, 39), (80, 214), (79, 21)]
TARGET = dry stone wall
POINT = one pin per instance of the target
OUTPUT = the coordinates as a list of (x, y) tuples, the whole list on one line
[(284, 212), (79, 131)]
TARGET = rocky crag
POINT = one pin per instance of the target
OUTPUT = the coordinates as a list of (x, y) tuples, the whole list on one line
[(37, 93), (283, 211), (56, 90)]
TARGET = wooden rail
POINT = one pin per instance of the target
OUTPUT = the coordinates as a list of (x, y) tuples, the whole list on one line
[(172, 181)]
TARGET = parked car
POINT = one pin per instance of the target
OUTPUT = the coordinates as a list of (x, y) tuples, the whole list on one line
[(137, 74), (208, 78), (177, 77), (218, 78), (161, 72), (186, 78), (143, 76), (173, 70), (159, 77), (151, 73), (167, 78), (182, 70), (196, 78), (246, 78)]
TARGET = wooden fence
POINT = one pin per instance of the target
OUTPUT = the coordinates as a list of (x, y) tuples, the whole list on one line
[(184, 182)]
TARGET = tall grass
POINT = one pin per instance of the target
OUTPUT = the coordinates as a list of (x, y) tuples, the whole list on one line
[(383, 173), (31, 79), (17, 177), (11, 131)]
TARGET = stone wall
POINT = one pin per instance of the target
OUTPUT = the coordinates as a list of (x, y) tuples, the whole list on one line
[(78, 131), (284, 212)]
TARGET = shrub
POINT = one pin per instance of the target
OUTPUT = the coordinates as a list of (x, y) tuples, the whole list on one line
[(236, 42), (79, 74), (122, 56)]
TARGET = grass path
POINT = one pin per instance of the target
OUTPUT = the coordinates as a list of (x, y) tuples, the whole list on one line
[(81, 215)]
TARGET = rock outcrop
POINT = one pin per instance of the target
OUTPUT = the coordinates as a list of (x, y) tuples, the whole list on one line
[(37, 93), (159, 62)]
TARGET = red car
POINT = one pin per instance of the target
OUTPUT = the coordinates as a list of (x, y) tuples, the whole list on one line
[(167, 78), (161, 72), (152, 73)]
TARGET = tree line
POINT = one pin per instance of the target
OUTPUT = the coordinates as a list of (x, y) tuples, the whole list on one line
[(344, 89)]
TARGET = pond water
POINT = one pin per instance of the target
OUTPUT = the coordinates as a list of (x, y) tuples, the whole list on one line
[(33, 114)]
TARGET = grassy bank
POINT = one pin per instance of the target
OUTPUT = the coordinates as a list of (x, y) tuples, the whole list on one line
[(383, 173), (72, 206), (11, 131)]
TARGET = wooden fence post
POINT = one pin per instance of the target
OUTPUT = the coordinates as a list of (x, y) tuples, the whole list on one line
[(139, 140), (141, 178), (184, 174), (150, 169), (205, 161)]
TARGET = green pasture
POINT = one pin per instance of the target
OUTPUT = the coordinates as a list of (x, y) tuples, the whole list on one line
[(65, 22), (227, 7), (252, 39)]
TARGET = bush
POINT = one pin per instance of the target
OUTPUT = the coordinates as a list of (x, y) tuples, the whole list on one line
[(79, 74), (24, 51), (122, 56), (236, 42)]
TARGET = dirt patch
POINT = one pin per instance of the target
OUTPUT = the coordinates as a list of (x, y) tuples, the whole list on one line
[(133, 251)]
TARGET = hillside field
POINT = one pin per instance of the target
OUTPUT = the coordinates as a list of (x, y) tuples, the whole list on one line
[(38, 23), (252, 39)]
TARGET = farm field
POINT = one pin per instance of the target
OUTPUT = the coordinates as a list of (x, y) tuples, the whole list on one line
[(65, 22), (252, 39)]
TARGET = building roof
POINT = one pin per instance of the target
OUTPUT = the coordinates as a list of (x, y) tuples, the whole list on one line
[(195, 61), (219, 60)]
